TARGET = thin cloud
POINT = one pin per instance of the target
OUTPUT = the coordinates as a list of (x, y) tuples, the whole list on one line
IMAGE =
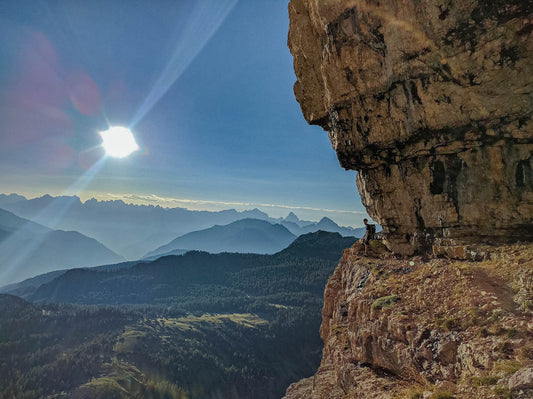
[(151, 199)]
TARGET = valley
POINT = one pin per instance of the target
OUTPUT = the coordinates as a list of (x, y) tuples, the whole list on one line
[(197, 325)]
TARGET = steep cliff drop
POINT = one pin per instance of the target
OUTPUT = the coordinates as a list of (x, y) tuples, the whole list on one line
[(431, 102)]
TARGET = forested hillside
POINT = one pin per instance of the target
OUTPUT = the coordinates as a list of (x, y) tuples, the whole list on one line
[(192, 326)]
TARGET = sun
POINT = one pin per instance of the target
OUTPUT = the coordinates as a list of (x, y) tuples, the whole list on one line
[(118, 142)]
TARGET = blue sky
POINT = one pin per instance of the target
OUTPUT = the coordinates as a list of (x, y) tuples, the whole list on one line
[(206, 87)]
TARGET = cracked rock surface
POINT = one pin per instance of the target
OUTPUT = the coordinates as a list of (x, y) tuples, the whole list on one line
[(431, 102), (415, 327)]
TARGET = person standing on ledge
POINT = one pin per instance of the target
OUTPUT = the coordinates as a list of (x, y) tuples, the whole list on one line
[(369, 235)]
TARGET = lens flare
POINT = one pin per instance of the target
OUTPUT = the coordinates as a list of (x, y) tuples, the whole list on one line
[(203, 21), (118, 142)]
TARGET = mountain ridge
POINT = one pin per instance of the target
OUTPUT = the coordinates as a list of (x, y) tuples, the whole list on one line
[(178, 275), (221, 322), (242, 236), (28, 249), (134, 230)]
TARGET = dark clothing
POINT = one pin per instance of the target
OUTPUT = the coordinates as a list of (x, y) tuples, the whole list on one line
[(369, 235)]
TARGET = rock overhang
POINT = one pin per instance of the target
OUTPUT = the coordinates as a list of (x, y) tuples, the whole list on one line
[(431, 103)]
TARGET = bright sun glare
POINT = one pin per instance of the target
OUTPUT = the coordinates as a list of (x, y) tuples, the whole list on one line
[(118, 142)]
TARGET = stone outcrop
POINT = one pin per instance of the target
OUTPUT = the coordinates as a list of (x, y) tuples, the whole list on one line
[(431, 102), (415, 328)]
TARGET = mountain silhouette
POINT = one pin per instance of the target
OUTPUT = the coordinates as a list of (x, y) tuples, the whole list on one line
[(243, 236), (200, 276), (319, 244), (28, 249), (134, 230), (291, 217)]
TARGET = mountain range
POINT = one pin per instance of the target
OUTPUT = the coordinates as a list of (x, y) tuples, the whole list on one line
[(197, 326), (28, 249), (243, 236), (191, 278), (134, 230)]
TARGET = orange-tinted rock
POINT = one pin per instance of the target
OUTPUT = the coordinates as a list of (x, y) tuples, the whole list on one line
[(431, 102), (458, 327)]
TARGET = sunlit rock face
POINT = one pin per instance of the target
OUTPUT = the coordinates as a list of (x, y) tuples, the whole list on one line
[(413, 328), (431, 101)]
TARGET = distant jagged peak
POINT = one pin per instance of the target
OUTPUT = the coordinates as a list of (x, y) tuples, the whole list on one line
[(326, 220), (112, 203), (291, 217), (327, 224)]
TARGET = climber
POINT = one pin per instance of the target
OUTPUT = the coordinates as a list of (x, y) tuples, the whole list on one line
[(369, 235)]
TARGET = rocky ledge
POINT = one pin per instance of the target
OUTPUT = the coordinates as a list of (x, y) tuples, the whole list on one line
[(431, 102), (426, 328)]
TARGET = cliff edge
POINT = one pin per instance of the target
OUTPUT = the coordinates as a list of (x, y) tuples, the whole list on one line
[(415, 328), (431, 102)]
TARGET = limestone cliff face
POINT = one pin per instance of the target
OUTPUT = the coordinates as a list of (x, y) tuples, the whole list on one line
[(416, 328), (431, 101)]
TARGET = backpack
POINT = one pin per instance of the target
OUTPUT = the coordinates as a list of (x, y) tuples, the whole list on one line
[(371, 230)]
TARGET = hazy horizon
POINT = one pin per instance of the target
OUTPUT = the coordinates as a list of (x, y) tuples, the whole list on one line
[(206, 89), (341, 217)]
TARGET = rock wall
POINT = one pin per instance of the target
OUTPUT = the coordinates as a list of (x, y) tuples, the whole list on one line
[(431, 102), (412, 328)]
